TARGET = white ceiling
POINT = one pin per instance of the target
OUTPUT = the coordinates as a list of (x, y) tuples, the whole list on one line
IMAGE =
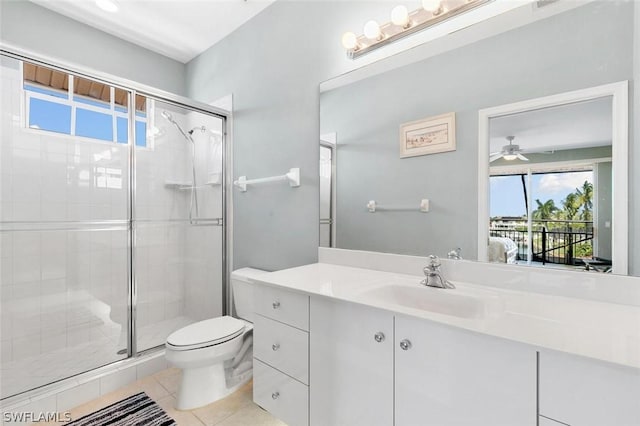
[(578, 125), (179, 29)]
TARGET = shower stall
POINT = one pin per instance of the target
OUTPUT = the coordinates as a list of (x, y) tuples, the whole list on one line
[(112, 230)]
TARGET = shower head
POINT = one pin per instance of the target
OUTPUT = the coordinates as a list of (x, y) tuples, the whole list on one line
[(167, 116)]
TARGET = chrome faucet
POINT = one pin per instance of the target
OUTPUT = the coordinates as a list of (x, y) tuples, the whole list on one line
[(434, 276), (455, 254)]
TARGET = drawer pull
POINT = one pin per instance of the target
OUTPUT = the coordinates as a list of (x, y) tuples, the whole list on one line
[(275, 395), (276, 304), (379, 337), (275, 346), (405, 345)]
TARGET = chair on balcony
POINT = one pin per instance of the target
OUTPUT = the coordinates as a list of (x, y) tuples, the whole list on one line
[(598, 264)]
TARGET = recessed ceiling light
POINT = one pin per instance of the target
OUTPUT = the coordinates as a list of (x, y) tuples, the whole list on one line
[(107, 5)]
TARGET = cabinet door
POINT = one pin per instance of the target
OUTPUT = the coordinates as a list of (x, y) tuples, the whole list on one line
[(584, 392), (449, 376), (350, 373)]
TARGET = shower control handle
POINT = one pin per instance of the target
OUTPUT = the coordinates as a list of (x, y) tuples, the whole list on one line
[(275, 395), (276, 304), (275, 346), (379, 337)]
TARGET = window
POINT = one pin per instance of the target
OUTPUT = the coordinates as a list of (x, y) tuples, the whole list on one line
[(62, 103)]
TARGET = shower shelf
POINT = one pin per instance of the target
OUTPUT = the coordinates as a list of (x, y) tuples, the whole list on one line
[(183, 186)]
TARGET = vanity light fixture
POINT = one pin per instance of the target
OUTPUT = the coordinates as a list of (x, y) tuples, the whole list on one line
[(404, 23)]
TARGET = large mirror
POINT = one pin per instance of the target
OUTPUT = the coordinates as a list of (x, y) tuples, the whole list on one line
[(508, 157)]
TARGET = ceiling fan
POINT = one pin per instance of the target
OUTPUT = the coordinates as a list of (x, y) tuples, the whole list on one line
[(509, 152)]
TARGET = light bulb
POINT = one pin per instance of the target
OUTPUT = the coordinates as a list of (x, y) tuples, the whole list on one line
[(510, 157), (400, 15), (372, 30), (432, 6), (349, 40)]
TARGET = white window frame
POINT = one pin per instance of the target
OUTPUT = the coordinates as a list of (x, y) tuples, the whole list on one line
[(74, 105)]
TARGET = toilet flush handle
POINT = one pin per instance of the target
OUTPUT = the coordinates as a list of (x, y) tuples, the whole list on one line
[(275, 346), (276, 304)]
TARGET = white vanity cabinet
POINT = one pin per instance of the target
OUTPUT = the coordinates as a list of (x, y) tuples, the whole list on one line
[(281, 354), (579, 391), (351, 364), (360, 374), (449, 376)]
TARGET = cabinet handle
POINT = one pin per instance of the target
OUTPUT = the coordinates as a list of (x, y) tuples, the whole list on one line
[(275, 346), (405, 345), (379, 337), (276, 304), (275, 395)]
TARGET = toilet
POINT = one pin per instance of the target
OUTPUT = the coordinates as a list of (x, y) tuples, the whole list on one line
[(216, 355)]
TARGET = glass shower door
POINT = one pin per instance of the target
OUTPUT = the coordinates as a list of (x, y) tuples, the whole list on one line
[(64, 228), (178, 222)]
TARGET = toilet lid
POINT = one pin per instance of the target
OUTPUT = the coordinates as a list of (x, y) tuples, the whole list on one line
[(206, 333)]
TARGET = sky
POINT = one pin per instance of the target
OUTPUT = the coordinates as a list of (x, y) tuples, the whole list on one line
[(507, 199), (56, 117)]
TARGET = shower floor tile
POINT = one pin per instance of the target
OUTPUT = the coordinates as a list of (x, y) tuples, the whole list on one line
[(35, 371)]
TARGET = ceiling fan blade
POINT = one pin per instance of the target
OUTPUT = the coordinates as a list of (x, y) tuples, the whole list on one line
[(522, 157), (495, 156)]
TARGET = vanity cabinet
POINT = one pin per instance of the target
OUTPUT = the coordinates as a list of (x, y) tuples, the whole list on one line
[(579, 391), (281, 354), (350, 364), (449, 376), (366, 370)]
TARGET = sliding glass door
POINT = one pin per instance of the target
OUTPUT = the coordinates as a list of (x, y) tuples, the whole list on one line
[(178, 223), (64, 226), (111, 223)]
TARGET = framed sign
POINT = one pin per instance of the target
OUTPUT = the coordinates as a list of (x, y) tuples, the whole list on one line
[(428, 136)]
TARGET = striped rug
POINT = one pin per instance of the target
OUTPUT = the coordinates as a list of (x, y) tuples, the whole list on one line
[(135, 410)]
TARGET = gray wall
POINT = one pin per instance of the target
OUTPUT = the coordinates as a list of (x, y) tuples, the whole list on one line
[(39, 30), (273, 66), (274, 75), (586, 47)]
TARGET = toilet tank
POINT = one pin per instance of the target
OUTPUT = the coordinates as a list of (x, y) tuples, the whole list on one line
[(242, 289)]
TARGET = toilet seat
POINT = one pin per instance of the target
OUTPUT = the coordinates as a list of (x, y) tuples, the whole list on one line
[(205, 333)]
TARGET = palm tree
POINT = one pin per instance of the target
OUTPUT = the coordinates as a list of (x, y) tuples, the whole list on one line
[(571, 205), (585, 196), (545, 210)]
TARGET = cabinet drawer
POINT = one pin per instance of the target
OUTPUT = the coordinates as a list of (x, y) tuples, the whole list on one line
[(283, 347), (282, 305), (279, 394)]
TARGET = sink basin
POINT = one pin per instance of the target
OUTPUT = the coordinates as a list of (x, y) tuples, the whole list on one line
[(456, 302)]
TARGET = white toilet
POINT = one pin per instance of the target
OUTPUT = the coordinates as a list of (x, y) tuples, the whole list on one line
[(216, 355)]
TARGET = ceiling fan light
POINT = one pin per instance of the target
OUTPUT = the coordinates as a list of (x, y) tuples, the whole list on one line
[(510, 157)]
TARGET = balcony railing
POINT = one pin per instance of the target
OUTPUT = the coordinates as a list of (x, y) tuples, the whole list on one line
[(553, 241)]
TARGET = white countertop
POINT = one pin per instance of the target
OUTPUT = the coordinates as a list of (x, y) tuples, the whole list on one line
[(605, 331)]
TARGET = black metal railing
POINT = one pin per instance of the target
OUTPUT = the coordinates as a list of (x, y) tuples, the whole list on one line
[(553, 241)]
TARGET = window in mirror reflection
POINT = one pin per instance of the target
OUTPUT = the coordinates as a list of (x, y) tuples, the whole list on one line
[(546, 217)]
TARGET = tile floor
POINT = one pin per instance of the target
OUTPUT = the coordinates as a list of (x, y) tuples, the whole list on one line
[(237, 409)]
